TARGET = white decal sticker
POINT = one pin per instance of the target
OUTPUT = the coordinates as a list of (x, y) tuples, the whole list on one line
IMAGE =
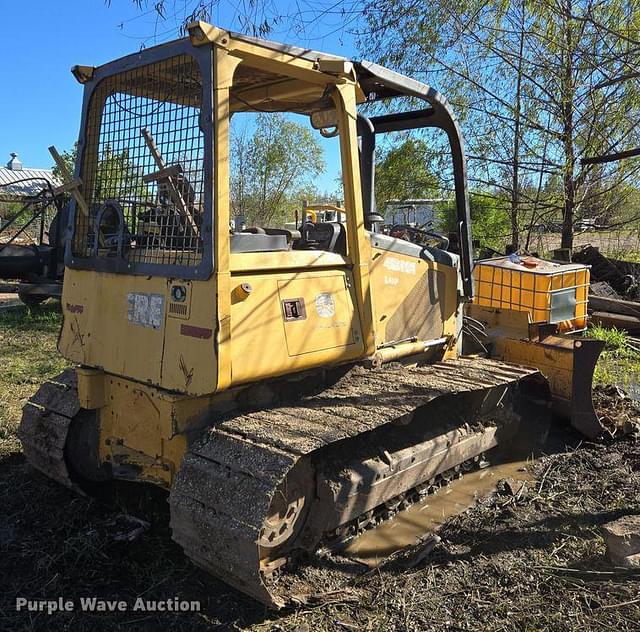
[(146, 309), (389, 280), (398, 265), (325, 305)]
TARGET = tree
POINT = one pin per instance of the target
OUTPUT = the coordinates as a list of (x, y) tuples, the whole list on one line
[(523, 75), (117, 176), (533, 81), (489, 222), (69, 159), (272, 168), (402, 173)]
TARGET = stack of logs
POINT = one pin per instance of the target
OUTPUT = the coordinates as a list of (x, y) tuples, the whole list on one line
[(614, 296)]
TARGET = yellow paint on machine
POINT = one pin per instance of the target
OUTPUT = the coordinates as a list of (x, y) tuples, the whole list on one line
[(268, 342), (96, 330), (100, 329), (159, 355), (144, 430), (179, 352), (413, 298)]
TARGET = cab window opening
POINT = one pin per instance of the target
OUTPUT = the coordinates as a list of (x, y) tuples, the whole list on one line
[(286, 189)]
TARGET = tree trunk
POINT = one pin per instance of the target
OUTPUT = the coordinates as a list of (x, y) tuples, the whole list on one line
[(515, 183), (568, 140)]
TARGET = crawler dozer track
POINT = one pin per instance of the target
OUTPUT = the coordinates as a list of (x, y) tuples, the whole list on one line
[(262, 485), (46, 419), (58, 437)]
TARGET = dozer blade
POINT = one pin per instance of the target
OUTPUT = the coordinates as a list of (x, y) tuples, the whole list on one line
[(262, 486), (567, 362), (568, 365)]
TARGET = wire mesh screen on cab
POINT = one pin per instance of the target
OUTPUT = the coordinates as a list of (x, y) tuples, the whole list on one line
[(143, 167)]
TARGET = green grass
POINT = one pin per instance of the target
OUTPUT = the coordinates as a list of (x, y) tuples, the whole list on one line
[(614, 339), (28, 356), (619, 363), (623, 254)]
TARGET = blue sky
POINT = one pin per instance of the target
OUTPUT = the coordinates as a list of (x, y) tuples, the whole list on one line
[(43, 39)]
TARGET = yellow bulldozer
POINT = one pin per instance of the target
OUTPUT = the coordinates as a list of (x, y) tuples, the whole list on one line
[(288, 387)]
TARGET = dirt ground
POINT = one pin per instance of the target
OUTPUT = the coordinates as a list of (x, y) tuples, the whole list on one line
[(530, 561)]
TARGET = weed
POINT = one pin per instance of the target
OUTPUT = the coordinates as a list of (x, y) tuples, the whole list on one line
[(619, 363), (614, 339), (623, 254)]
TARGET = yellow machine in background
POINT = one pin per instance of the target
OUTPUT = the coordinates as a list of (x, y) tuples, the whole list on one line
[(287, 387)]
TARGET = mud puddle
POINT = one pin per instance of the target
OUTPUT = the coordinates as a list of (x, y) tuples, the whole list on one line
[(411, 526)]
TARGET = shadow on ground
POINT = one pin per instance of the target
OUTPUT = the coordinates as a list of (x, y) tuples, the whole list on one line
[(56, 544)]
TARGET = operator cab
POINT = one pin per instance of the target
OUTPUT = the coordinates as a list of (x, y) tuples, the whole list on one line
[(146, 155)]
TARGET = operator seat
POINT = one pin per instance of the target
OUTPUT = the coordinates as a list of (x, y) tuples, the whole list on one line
[(328, 236)]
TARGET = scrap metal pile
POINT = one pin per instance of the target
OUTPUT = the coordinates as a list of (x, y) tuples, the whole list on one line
[(614, 295), (31, 242)]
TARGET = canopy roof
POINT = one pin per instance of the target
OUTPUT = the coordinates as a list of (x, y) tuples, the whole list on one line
[(377, 82), (262, 90)]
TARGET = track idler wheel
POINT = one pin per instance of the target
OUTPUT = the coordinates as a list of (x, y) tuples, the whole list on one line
[(287, 516)]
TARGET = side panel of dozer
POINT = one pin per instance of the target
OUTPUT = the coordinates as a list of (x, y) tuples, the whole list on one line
[(567, 362)]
